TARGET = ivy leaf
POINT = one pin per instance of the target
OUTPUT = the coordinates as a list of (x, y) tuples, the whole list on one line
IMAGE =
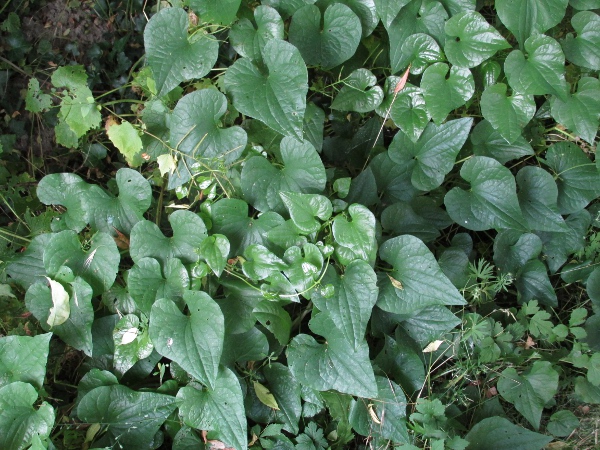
[(581, 111), (220, 411), (418, 50), (195, 342), (355, 239), (31, 370), (488, 142), (471, 40), (249, 41), (214, 250), (525, 18), (20, 421), (508, 115), (417, 272), (126, 138), (131, 418), (501, 434), (583, 49), (76, 329), (302, 172), (275, 94), (577, 178), (174, 56), (330, 45), (147, 240), (355, 95), (303, 209), (275, 319), (542, 72), (220, 12), (409, 112), (492, 200), (530, 391), (432, 156), (444, 93), (197, 135)]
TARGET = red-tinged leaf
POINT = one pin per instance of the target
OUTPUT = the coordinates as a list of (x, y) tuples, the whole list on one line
[(402, 81)]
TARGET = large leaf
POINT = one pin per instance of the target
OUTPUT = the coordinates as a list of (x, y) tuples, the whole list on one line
[(130, 418), (530, 391), (418, 50), (488, 142), (432, 156), (501, 434), (274, 93), (430, 324), (387, 10), (302, 172), (364, 9), (28, 267), (532, 282), (355, 238), (492, 200), (286, 391), (445, 92), (471, 40), (198, 138), (584, 50), (416, 280), (220, 411), (172, 54), (222, 12), (193, 341), (20, 422), (360, 93), (249, 41), (66, 189), (512, 249), (326, 41), (32, 369), (525, 18)]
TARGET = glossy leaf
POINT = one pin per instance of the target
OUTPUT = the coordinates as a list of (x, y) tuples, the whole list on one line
[(388, 10), (532, 282), (512, 249), (260, 262), (249, 41), (583, 50), (66, 189), (504, 435), (488, 142), (360, 93), (409, 112), (131, 343), (214, 250), (355, 238), (275, 319), (304, 208), (418, 50), (444, 93), (364, 9), (31, 370)]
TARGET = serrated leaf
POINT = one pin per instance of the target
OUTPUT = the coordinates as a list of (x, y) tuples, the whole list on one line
[(432, 156), (360, 93), (195, 341), (248, 40), (488, 142), (131, 418), (304, 208), (471, 40), (127, 140), (581, 110), (355, 238), (220, 411), (276, 95), (147, 240), (492, 200), (31, 370), (35, 100), (415, 267), (326, 41), (530, 391), (222, 12), (583, 49), (444, 93), (409, 112), (501, 434), (302, 172), (172, 55), (418, 50)]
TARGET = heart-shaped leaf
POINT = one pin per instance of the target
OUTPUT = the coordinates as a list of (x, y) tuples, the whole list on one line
[(197, 136), (492, 200), (409, 112), (512, 249), (488, 142), (444, 93), (418, 50), (30, 370), (364, 9), (532, 283), (222, 12), (584, 50), (66, 189), (249, 41), (508, 115), (214, 251), (471, 40), (355, 95), (260, 262), (274, 93), (303, 209), (388, 10), (304, 267), (172, 54), (193, 341), (355, 238), (327, 42)]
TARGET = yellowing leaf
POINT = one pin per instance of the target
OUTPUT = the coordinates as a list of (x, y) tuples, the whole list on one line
[(265, 396), (432, 347), (128, 141), (129, 336), (61, 309), (166, 164)]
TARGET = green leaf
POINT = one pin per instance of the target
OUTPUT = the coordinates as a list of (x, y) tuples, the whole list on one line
[(430, 324), (585, 4), (418, 274), (471, 40), (508, 115), (157, 119), (583, 49), (337, 364), (525, 18), (492, 200), (98, 266), (488, 142), (328, 41), (581, 110), (265, 396), (251, 345), (444, 93), (286, 391), (401, 359), (532, 282), (131, 418), (275, 319), (195, 342), (355, 95), (500, 434), (287, 7), (512, 249), (542, 72), (76, 330), (260, 262), (131, 343), (147, 240), (222, 12), (401, 218), (249, 41), (174, 56), (364, 9), (32, 369), (419, 50), (457, 6), (388, 10), (355, 238), (220, 411), (66, 189), (304, 267), (303, 209), (127, 140), (530, 391), (214, 250), (302, 172), (35, 100), (562, 423), (432, 156), (275, 94), (28, 267), (409, 112), (577, 178), (19, 420)]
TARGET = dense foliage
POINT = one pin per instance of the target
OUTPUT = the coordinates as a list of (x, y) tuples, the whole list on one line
[(302, 224)]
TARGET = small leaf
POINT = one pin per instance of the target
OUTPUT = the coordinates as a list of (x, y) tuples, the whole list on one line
[(127, 140), (444, 93), (563, 423), (35, 100), (166, 164), (409, 112), (355, 238), (265, 396), (355, 95), (214, 251), (583, 50)]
